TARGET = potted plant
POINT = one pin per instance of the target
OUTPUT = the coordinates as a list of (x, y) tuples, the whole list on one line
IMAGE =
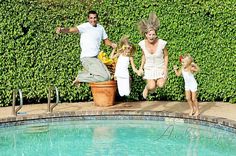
[(104, 92)]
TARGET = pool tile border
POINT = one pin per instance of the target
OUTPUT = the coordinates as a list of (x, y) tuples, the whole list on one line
[(217, 122)]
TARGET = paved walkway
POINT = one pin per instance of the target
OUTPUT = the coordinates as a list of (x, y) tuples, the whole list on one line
[(216, 109)]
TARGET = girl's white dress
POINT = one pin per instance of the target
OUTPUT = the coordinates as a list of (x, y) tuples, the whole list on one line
[(154, 63), (189, 80), (122, 75)]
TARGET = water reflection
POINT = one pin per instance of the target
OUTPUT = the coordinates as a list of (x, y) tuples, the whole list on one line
[(102, 140), (193, 134)]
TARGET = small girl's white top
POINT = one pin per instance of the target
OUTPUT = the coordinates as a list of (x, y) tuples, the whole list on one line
[(189, 80), (154, 62), (122, 66)]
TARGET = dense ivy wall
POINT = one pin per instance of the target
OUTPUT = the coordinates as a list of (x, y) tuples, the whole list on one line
[(33, 56)]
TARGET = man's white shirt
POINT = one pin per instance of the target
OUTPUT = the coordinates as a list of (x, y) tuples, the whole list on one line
[(91, 38)]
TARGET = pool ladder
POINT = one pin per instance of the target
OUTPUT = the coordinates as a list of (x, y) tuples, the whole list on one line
[(51, 107), (14, 109)]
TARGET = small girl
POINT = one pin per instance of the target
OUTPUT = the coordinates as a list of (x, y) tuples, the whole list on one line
[(187, 70), (124, 52)]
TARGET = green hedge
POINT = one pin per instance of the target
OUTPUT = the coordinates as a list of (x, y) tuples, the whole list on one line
[(33, 56)]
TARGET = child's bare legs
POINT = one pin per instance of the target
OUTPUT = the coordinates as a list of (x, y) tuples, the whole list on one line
[(190, 102), (195, 104)]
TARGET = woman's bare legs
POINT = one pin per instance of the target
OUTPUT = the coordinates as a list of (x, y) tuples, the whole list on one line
[(161, 82), (150, 86)]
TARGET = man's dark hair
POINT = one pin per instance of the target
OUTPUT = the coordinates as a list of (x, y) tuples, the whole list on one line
[(92, 12)]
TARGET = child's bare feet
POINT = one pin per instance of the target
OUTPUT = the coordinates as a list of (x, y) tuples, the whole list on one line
[(145, 93), (197, 113), (191, 112)]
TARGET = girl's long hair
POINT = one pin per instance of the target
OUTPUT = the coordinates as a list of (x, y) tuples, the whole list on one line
[(125, 41)]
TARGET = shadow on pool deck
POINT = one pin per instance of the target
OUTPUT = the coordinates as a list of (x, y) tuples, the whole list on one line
[(216, 109)]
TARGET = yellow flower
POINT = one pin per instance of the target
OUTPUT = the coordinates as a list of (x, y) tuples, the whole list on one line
[(104, 58), (110, 63)]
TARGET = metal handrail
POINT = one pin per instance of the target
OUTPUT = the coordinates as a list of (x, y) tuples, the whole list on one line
[(51, 107), (14, 111)]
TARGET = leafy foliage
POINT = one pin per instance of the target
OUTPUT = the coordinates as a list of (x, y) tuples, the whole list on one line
[(33, 56)]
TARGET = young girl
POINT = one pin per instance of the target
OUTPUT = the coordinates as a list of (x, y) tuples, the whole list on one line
[(124, 52), (187, 70)]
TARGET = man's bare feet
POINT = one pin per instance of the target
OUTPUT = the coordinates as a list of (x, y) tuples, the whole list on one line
[(145, 93), (76, 82)]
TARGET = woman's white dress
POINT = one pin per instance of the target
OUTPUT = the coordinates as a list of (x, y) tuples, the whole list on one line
[(154, 63)]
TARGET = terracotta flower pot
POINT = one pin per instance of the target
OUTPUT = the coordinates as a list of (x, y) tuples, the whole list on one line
[(104, 93)]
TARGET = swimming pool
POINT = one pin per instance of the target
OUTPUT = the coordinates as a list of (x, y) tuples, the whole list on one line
[(116, 136)]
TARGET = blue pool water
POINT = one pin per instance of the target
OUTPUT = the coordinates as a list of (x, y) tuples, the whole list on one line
[(116, 137)]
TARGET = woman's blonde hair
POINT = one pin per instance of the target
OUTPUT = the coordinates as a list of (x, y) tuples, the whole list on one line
[(152, 23)]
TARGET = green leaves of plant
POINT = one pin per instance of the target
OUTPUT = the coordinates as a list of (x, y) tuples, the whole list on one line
[(32, 55)]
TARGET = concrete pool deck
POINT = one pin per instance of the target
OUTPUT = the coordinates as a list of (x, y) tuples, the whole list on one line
[(220, 110)]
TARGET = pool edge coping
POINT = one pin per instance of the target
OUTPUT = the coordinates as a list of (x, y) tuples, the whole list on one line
[(211, 119)]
